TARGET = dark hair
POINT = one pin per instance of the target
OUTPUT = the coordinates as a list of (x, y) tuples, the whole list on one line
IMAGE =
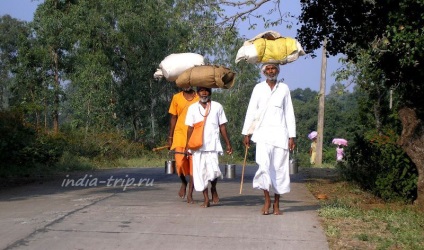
[(207, 89)]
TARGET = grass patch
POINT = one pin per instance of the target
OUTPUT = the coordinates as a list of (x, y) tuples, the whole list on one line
[(355, 219)]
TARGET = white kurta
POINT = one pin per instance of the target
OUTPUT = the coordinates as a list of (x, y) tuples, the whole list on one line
[(205, 160), (275, 126)]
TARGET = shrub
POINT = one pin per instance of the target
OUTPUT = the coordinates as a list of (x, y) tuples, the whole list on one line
[(17, 138), (378, 164), (23, 148)]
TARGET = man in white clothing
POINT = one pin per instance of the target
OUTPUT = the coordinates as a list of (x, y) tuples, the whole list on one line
[(271, 110), (205, 159)]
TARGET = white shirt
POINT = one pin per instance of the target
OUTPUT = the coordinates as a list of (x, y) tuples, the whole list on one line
[(277, 121), (211, 132)]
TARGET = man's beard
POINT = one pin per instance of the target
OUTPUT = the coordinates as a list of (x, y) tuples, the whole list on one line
[(205, 99), (271, 78)]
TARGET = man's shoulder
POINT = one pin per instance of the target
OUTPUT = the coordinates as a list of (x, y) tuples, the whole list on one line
[(193, 105), (260, 85), (178, 95), (283, 86), (215, 103)]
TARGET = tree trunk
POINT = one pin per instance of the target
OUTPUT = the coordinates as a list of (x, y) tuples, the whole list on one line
[(412, 142), (135, 127), (152, 110), (56, 101), (320, 125)]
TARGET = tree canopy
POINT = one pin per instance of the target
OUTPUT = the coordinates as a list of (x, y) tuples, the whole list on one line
[(385, 39)]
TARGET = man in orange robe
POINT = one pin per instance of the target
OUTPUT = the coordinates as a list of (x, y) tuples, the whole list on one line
[(177, 138)]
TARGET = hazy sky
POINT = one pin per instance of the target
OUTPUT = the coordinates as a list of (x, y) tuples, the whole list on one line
[(303, 73)]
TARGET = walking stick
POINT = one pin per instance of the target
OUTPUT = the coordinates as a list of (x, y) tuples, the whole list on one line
[(160, 148), (242, 172)]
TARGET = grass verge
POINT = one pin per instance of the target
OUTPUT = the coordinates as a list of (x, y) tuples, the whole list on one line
[(355, 219)]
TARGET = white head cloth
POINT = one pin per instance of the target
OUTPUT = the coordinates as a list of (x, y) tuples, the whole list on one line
[(273, 64)]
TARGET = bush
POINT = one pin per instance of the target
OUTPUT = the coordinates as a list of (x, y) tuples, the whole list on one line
[(22, 148), (102, 146), (378, 164), (17, 138)]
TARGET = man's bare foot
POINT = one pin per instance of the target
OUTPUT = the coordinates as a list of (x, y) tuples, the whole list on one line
[(182, 192), (276, 209), (265, 209), (264, 212), (215, 197), (190, 199), (205, 204)]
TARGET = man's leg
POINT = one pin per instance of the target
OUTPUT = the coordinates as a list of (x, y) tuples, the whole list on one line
[(190, 190), (215, 197), (276, 204), (191, 180), (183, 169), (182, 192), (267, 204), (206, 202)]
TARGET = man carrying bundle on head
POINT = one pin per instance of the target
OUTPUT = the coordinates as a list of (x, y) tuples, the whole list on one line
[(177, 138), (211, 116), (271, 111)]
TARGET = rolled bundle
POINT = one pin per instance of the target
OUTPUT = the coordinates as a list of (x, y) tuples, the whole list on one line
[(210, 76), (175, 64), (270, 47)]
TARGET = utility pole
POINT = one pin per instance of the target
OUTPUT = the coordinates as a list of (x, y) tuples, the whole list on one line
[(320, 129)]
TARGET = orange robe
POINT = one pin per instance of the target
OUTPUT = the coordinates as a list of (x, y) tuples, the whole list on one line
[(179, 106)]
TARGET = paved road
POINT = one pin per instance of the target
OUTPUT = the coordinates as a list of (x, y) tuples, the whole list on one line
[(139, 209)]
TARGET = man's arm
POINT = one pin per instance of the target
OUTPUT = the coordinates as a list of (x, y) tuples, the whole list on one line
[(292, 144), (223, 130), (172, 123)]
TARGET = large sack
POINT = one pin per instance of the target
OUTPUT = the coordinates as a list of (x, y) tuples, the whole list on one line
[(210, 76), (175, 64), (270, 47)]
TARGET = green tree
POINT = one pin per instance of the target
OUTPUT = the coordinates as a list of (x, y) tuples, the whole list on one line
[(391, 33), (53, 33), (305, 104), (10, 32)]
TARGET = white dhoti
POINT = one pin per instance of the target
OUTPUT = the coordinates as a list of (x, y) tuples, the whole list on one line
[(273, 171), (205, 169)]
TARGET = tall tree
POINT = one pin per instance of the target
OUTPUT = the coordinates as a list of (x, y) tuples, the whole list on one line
[(53, 31), (10, 32), (117, 47), (391, 33)]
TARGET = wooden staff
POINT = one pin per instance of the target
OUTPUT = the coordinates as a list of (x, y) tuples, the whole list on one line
[(160, 148), (242, 172)]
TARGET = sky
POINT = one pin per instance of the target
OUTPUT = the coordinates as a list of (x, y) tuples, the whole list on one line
[(303, 73)]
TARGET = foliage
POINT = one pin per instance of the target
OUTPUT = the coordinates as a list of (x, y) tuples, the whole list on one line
[(340, 119), (384, 38), (305, 104), (378, 164), (12, 31), (23, 148)]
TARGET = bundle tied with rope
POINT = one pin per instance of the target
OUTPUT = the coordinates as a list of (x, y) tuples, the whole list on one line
[(209, 76), (270, 47)]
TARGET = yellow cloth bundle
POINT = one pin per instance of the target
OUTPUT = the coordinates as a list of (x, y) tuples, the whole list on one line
[(270, 47), (275, 50)]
